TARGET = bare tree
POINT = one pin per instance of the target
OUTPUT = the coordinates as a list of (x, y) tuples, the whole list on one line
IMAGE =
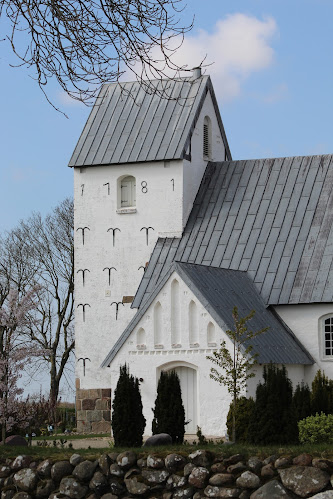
[(43, 254), (86, 43)]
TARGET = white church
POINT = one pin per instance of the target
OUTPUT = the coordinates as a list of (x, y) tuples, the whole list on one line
[(171, 234)]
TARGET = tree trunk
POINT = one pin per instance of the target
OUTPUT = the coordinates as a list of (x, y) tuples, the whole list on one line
[(234, 420)]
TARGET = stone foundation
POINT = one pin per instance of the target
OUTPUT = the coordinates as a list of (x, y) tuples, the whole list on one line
[(93, 409)]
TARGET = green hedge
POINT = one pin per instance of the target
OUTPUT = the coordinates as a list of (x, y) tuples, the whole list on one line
[(316, 429)]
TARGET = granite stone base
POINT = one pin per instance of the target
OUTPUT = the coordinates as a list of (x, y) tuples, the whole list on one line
[(93, 409)]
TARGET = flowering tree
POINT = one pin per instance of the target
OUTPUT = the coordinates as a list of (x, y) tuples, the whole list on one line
[(15, 315)]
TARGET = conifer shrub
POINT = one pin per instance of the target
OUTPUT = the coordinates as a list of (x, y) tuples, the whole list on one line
[(321, 394), (128, 422), (302, 401), (273, 419), (169, 414), (244, 408), (316, 429)]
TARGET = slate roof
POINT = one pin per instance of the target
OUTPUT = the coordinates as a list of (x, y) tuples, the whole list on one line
[(128, 125), (272, 218), (219, 290)]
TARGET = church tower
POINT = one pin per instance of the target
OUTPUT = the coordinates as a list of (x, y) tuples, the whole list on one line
[(137, 168)]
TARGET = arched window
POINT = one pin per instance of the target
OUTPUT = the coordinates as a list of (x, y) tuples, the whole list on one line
[(207, 138), (326, 333), (193, 324), (141, 339), (158, 338), (211, 336), (126, 192)]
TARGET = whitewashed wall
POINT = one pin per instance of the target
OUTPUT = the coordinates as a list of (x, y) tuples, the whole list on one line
[(194, 170), (304, 321), (165, 192), (160, 207), (146, 361)]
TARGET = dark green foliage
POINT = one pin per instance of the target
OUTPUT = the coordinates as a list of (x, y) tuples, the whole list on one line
[(273, 420), (128, 422), (302, 401), (321, 394), (244, 408), (169, 414)]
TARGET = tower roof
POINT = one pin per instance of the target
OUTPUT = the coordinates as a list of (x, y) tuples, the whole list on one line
[(129, 124)]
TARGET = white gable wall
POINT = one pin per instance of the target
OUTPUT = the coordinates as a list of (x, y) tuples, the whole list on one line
[(146, 359), (194, 169)]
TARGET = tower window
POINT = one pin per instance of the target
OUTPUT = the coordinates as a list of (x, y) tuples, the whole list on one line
[(207, 138), (328, 336), (126, 192)]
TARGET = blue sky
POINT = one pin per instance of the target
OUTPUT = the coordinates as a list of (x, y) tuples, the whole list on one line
[(272, 74)]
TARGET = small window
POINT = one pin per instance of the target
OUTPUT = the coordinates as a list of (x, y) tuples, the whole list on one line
[(207, 138), (127, 192), (328, 337)]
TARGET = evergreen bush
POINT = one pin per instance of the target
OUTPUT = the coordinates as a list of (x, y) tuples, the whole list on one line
[(316, 429), (244, 408), (169, 414), (321, 394), (128, 422), (273, 419), (302, 401)]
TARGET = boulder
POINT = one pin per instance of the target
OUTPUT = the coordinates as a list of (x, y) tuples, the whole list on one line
[(233, 459), (303, 460), (26, 479), (21, 462), (237, 468), (72, 488), (188, 469), (175, 482), (99, 483), (322, 464), (184, 493), (104, 463), (217, 468), (268, 471), (44, 488), (271, 490), (44, 468), (201, 458), (126, 459), (109, 496), (8, 494), (155, 462), (136, 488), (304, 480), (84, 471), (5, 471), (116, 470), (61, 469), (328, 494), (155, 476), (224, 492), (254, 464), (22, 495), (174, 462), (248, 480), (282, 462), (115, 487), (198, 477), (221, 479), (158, 439), (16, 440), (75, 459)]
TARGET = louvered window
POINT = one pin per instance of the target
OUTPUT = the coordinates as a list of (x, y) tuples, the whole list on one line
[(207, 138)]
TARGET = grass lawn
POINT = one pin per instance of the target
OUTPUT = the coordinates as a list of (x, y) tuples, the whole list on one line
[(54, 453), (71, 436)]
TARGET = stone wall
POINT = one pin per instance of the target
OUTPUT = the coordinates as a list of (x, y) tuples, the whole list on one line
[(201, 474), (93, 410)]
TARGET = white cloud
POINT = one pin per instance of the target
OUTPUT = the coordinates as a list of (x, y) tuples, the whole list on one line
[(238, 45)]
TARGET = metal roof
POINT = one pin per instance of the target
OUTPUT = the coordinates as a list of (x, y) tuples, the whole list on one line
[(130, 124), (270, 217), (219, 290)]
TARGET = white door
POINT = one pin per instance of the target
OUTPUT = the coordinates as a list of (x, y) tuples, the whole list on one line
[(188, 385)]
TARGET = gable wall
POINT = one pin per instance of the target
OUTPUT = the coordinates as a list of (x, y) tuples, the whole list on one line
[(146, 360), (194, 169)]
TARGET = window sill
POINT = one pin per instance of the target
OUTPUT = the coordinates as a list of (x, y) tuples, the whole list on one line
[(124, 211)]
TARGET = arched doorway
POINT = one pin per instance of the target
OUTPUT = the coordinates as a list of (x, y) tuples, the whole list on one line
[(188, 384)]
